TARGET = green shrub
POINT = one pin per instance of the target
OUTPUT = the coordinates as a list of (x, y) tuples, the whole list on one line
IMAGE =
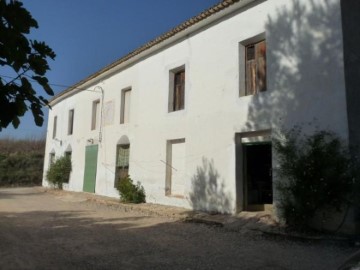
[(130, 192), (59, 172), (316, 172), (21, 162)]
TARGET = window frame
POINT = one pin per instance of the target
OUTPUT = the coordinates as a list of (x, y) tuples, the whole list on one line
[(94, 115), (123, 103), (71, 116), (122, 171), (54, 127), (243, 91), (257, 81), (52, 158), (173, 97)]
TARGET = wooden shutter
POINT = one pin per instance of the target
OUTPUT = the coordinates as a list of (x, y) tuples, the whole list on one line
[(179, 91), (261, 66), (250, 70), (255, 70)]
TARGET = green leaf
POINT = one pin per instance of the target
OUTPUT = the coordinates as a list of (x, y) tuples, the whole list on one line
[(23, 56)]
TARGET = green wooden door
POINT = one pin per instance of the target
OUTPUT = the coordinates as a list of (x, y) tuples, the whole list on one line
[(90, 168)]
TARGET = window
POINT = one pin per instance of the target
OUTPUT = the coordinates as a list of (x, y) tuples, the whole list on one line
[(122, 162), (125, 106), (71, 122), (255, 68), (54, 127), (51, 159), (95, 120), (177, 90), (68, 154)]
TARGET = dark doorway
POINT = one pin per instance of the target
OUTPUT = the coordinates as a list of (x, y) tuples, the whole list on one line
[(258, 175)]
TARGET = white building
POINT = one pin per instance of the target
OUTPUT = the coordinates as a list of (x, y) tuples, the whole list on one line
[(191, 113)]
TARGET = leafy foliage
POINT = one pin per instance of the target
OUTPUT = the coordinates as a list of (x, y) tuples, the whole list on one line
[(316, 173), (130, 192), (21, 162), (27, 59), (59, 172)]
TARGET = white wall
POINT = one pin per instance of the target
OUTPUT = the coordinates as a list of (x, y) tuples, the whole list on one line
[(305, 81)]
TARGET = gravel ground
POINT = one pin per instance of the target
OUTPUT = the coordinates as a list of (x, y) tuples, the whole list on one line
[(62, 230)]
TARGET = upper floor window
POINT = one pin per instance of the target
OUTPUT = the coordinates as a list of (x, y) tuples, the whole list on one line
[(54, 127), (177, 90), (95, 120), (125, 106), (255, 68), (71, 122)]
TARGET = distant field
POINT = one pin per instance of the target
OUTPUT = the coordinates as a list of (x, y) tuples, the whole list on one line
[(21, 162)]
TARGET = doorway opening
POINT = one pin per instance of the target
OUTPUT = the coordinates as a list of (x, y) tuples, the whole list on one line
[(257, 172)]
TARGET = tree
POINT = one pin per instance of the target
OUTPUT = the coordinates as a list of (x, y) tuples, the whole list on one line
[(316, 173), (59, 172), (27, 59)]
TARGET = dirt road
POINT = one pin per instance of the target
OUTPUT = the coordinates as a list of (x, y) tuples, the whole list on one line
[(42, 230)]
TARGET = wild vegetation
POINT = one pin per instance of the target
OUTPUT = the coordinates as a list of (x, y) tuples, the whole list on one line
[(129, 192), (59, 172), (316, 173), (21, 162)]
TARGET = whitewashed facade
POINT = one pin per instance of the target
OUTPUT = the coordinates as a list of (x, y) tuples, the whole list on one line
[(194, 157)]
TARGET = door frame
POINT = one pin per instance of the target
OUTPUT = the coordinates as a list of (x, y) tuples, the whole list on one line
[(241, 139), (247, 206)]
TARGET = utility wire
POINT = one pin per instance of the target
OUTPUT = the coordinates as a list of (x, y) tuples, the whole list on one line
[(52, 84)]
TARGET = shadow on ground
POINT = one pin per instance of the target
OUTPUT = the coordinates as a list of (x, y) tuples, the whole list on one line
[(77, 240)]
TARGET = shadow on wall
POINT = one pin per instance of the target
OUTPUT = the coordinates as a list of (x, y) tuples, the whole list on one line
[(208, 190), (305, 68)]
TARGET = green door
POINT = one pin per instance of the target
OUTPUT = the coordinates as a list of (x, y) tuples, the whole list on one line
[(90, 168)]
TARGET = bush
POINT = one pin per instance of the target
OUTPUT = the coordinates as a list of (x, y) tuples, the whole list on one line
[(59, 172), (21, 162), (316, 173), (130, 192)]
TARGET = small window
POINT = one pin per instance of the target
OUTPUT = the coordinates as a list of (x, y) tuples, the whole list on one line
[(51, 159), (125, 106), (54, 127), (177, 90), (71, 122), (95, 120), (255, 70), (122, 162), (68, 154)]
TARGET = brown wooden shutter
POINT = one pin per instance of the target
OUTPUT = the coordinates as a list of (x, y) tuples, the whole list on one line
[(250, 70), (179, 91), (261, 66), (255, 68), (182, 90)]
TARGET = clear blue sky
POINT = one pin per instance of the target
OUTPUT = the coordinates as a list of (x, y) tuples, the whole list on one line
[(88, 35)]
